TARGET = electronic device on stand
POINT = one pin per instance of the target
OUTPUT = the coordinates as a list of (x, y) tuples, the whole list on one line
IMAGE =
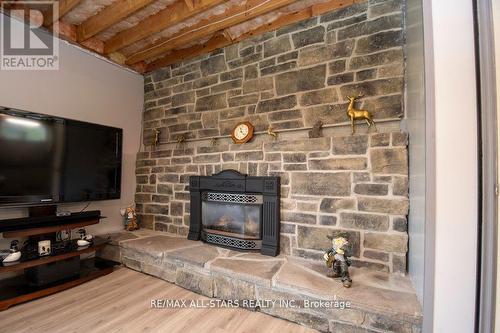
[(45, 161)]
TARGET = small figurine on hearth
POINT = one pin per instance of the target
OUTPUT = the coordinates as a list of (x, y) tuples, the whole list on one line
[(130, 218), (337, 258)]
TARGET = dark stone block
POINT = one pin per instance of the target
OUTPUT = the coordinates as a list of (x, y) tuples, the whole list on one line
[(278, 68), (377, 59), (298, 217), (294, 157), (288, 56), (346, 22), (251, 72), (367, 74), (249, 156), (356, 163), (176, 208), (211, 102), (350, 145), (333, 205), (308, 37), (301, 80), (400, 224), (379, 41), (161, 74), (281, 103), (276, 46), (327, 220), (205, 81), (364, 221), (318, 183), (371, 189), (370, 254), (284, 115), (337, 66), (342, 13), (318, 97), (369, 27), (183, 98), (374, 88), (267, 63), (243, 100), (323, 53), (232, 75), (340, 79), (156, 209), (213, 65), (228, 85), (385, 107)]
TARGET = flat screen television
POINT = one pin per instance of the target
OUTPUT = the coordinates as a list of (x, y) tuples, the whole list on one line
[(46, 159)]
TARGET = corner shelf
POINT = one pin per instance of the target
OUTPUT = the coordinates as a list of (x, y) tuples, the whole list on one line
[(17, 289), (98, 244), (47, 229)]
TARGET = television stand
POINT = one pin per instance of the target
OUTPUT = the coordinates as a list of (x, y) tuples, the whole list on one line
[(20, 289)]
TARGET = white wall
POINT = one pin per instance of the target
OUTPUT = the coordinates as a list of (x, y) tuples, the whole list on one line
[(89, 89), (496, 32), (415, 113), (452, 107)]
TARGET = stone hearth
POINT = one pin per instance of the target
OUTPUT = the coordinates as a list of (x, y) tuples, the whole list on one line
[(380, 302)]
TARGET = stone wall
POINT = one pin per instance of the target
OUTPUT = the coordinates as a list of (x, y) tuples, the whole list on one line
[(291, 78)]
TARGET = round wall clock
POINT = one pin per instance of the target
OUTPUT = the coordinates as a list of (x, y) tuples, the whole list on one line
[(242, 132)]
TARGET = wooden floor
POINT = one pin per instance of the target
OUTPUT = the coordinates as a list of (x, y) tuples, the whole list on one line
[(120, 302)]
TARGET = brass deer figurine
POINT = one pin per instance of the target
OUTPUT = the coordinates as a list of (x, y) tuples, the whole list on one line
[(355, 114)]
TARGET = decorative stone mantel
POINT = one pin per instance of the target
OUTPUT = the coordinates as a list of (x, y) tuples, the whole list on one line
[(380, 302)]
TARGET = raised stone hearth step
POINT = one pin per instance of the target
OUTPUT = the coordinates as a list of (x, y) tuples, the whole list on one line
[(379, 301)]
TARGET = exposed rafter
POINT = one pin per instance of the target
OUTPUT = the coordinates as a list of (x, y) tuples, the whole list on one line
[(221, 39), (65, 6), (219, 26), (207, 27), (170, 16), (189, 4), (110, 15)]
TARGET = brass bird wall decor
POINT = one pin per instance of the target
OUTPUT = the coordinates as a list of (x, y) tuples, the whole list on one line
[(271, 132)]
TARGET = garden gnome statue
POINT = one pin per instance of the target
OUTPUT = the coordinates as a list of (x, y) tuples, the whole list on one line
[(337, 258)]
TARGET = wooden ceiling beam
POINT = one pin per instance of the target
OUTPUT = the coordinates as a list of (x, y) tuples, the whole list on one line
[(168, 17), (110, 15), (216, 42), (207, 27), (65, 6), (221, 40), (189, 4)]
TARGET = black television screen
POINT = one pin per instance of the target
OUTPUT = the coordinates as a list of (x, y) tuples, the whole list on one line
[(46, 159)]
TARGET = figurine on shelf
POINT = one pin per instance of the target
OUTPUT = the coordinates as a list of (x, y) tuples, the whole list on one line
[(315, 132), (85, 240), (11, 255), (130, 218), (156, 137), (271, 132), (355, 114), (337, 258)]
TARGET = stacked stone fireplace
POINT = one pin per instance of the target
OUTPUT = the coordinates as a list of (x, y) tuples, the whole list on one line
[(289, 79)]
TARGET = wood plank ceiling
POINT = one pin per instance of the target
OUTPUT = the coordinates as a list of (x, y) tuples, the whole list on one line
[(148, 34)]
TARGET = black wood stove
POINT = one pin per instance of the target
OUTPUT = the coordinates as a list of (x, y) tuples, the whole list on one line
[(237, 211)]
